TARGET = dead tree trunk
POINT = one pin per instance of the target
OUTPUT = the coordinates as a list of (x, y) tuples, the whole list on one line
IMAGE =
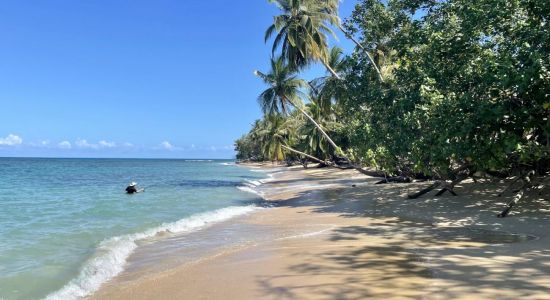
[(509, 186), (462, 172), (450, 186), (424, 191), (519, 195)]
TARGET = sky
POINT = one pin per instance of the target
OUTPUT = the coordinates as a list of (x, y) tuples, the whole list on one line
[(132, 78)]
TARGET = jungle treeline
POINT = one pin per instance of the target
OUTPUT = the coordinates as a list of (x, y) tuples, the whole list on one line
[(444, 90)]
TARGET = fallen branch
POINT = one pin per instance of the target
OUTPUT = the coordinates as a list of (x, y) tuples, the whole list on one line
[(424, 191), (519, 195), (509, 186), (449, 187)]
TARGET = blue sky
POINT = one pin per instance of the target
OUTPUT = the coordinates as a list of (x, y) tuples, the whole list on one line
[(134, 78)]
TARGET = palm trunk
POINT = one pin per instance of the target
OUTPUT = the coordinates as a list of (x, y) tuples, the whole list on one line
[(308, 156), (338, 150), (349, 36), (331, 70)]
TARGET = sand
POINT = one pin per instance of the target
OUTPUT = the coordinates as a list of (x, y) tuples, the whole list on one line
[(334, 234)]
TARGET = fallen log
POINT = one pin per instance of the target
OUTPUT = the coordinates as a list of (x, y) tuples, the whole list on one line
[(450, 187), (424, 191), (519, 195), (509, 186)]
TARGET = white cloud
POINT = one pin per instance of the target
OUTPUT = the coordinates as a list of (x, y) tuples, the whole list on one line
[(105, 144), (82, 143), (65, 145), (11, 140), (40, 144), (128, 144), (167, 146)]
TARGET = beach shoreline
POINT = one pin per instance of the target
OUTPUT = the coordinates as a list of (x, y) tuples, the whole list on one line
[(333, 234)]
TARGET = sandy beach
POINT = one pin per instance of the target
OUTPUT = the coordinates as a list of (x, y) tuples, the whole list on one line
[(334, 234)]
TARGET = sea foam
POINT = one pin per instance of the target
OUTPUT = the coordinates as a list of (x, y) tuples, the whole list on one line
[(252, 186), (111, 255)]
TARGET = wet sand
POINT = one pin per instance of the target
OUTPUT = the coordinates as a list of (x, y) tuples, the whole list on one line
[(328, 239)]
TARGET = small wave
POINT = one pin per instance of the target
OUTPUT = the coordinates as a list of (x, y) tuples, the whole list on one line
[(112, 253), (227, 164), (266, 180), (253, 182), (249, 189), (251, 186)]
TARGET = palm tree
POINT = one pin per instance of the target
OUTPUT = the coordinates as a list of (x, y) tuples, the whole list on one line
[(314, 143), (284, 91), (328, 89), (302, 30), (330, 9), (270, 135)]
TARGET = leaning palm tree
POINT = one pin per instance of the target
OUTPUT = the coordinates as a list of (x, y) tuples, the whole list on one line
[(276, 133), (285, 90), (301, 33), (330, 9), (328, 89), (273, 137), (312, 142)]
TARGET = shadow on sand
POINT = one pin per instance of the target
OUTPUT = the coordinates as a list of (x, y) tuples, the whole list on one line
[(428, 248)]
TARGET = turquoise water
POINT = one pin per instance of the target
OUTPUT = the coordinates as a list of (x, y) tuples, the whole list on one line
[(66, 225)]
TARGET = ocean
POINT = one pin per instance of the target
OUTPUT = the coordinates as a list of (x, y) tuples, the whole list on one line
[(67, 226)]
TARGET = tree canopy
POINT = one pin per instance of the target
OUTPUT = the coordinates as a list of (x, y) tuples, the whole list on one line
[(466, 84)]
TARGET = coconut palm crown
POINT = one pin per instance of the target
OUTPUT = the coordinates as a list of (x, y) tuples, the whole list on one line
[(301, 32), (284, 88)]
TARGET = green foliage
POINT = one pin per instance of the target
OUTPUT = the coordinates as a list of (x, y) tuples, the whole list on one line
[(465, 83), (468, 84), (265, 139), (301, 31), (285, 88)]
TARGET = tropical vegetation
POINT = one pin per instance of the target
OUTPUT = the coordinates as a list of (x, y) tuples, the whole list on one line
[(444, 90)]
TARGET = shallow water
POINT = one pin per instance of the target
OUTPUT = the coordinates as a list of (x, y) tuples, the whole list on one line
[(66, 225)]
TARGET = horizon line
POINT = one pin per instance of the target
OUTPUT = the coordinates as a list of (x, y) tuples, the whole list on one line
[(144, 158)]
